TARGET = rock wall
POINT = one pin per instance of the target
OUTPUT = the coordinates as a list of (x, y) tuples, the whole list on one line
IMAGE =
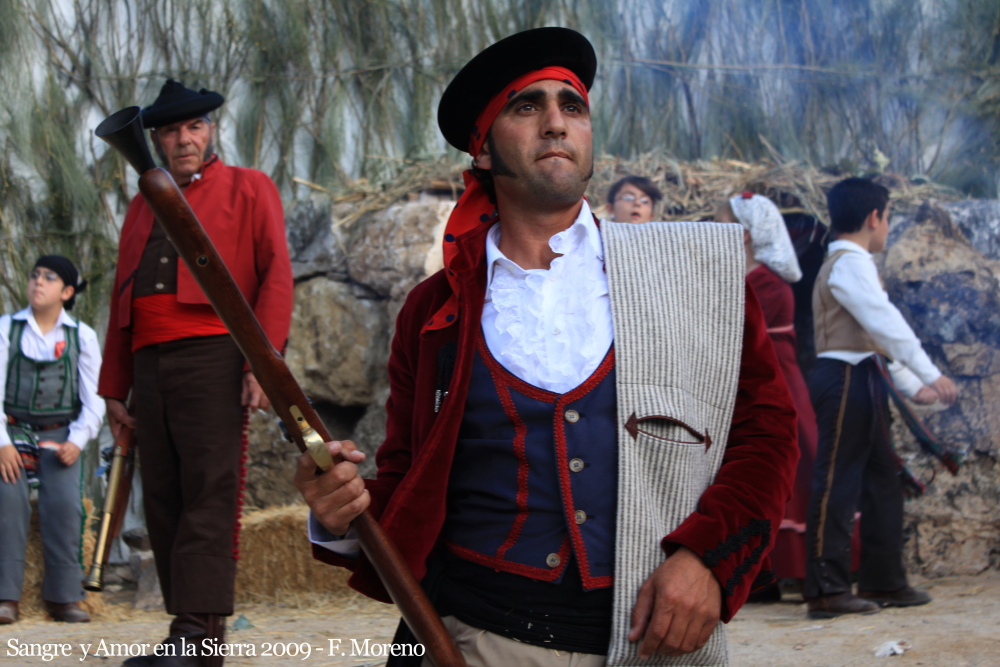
[(942, 268), (349, 288)]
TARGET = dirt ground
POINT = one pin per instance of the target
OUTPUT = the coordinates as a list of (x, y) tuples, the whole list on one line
[(961, 628)]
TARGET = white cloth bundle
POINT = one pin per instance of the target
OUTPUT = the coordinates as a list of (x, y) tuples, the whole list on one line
[(769, 238)]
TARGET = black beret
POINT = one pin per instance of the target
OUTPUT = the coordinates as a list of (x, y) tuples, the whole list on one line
[(177, 103), (66, 271), (485, 75)]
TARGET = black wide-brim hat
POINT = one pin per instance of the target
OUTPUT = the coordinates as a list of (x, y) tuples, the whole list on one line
[(177, 103), (486, 75)]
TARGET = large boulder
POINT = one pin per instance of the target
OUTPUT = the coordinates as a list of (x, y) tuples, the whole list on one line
[(395, 249), (315, 247), (338, 343), (947, 289)]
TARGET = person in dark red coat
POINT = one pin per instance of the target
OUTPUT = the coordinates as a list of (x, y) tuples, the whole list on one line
[(771, 266), (189, 382), (487, 356)]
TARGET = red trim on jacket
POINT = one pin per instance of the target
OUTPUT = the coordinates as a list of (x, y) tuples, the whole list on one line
[(539, 573), (409, 492), (562, 465)]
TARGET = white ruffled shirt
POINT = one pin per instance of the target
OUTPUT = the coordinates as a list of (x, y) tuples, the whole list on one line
[(550, 327)]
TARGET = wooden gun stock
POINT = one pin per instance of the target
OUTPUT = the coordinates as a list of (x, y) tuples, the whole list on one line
[(123, 131)]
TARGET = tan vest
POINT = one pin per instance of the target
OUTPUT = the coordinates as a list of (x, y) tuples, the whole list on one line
[(835, 327)]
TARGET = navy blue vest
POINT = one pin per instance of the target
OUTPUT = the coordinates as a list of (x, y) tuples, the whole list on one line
[(535, 475)]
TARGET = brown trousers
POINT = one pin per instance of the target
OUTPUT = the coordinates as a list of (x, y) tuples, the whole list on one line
[(189, 430)]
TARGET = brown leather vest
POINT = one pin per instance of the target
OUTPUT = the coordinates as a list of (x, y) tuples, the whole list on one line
[(835, 327)]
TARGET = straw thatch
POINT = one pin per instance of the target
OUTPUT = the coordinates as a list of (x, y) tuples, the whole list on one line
[(276, 562), (692, 189), (32, 605)]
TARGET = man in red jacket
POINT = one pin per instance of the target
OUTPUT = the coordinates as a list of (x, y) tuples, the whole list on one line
[(188, 380), (497, 478)]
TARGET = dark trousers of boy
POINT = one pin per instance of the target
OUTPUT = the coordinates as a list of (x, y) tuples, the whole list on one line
[(854, 471), (59, 513), (189, 427)]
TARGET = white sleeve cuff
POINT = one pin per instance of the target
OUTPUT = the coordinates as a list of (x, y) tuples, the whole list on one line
[(78, 436), (905, 380), (346, 546)]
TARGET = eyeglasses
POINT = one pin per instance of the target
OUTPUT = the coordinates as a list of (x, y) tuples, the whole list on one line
[(631, 198), (50, 276)]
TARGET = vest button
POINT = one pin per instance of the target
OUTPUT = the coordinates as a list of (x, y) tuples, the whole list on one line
[(159, 285), (576, 465), (553, 560), (572, 416), (164, 260), (580, 516)]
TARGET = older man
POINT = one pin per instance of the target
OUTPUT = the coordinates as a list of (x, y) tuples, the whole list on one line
[(189, 382), (589, 442)]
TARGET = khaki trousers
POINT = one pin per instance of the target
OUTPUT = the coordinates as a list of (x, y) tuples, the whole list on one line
[(485, 649)]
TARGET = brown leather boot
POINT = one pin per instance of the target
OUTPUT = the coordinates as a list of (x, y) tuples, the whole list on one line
[(907, 596), (831, 606), (9, 610), (216, 631), (67, 613), (186, 630)]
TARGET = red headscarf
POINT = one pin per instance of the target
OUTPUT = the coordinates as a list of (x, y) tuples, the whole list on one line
[(474, 206)]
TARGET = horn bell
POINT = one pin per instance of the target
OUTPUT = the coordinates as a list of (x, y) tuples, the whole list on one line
[(123, 130)]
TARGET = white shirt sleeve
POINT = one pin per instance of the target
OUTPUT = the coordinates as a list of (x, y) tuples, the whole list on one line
[(855, 285), (346, 546), (4, 351), (88, 423), (906, 382)]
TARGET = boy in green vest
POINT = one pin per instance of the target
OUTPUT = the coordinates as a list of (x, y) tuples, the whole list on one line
[(50, 405)]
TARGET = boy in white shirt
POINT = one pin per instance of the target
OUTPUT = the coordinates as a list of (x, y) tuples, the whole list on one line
[(854, 322), (48, 384)]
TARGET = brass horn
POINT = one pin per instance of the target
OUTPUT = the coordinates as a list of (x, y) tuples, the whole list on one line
[(123, 130)]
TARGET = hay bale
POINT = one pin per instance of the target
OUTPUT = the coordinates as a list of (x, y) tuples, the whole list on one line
[(276, 560), (32, 605)]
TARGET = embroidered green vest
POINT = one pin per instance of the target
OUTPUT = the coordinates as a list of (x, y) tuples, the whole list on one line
[(42, 393)]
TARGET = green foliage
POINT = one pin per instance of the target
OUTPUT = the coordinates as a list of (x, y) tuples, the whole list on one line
[(333, 93)]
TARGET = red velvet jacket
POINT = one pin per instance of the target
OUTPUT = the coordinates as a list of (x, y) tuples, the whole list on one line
[(240, 210), (738, 514)]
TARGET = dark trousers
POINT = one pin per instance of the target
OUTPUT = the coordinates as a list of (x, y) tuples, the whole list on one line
[(189, 428), (59, 516), (854, 471)]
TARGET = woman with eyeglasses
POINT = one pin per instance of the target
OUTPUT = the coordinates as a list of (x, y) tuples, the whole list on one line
[(632, 199)]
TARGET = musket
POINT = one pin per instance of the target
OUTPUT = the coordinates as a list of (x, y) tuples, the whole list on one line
[(115, 498), (123, 130)]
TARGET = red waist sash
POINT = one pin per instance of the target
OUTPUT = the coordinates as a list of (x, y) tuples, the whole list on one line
[(161, 318)]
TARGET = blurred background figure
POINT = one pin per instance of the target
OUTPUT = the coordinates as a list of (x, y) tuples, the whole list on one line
[(771, 266), (633, 199)]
